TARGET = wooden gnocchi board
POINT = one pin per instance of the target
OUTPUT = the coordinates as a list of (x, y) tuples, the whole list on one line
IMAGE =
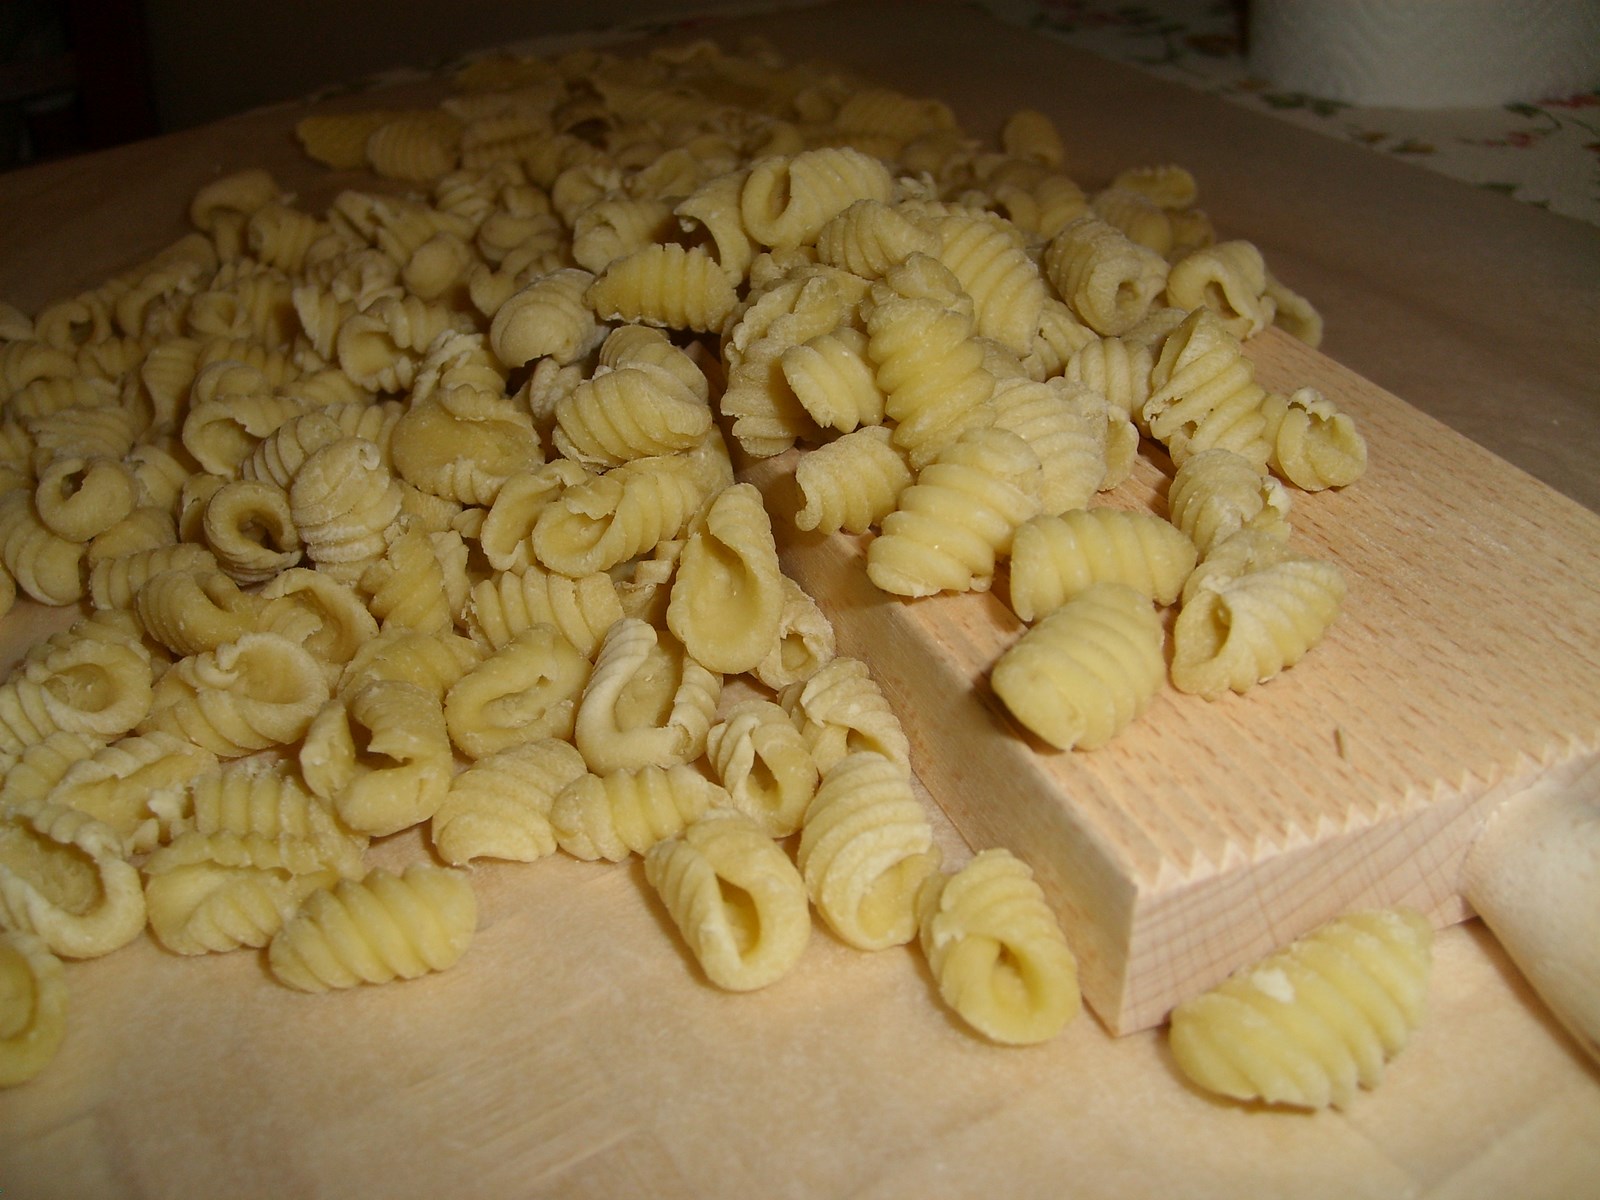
[(1464, 667)]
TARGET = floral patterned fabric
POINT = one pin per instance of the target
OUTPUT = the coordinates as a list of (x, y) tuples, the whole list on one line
[(1546, 154)]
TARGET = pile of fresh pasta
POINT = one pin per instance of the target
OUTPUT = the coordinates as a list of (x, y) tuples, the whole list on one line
[(421, 512)]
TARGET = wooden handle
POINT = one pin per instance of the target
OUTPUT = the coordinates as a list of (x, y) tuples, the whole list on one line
[(1533, 875)]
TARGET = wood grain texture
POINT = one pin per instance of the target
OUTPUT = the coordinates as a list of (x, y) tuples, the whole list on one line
[(1463, 668)]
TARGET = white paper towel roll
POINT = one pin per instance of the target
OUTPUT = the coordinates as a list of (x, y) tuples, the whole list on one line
[(1427, 53)]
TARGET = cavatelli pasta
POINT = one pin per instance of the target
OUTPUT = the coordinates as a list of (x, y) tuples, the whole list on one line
[(617, 813), (33, 1006), (64, 879), (248, 526), (1230, 279), (1117, 368), (736, 899), (727, 597), (762, 760), (1233, 633), (97, 681), (1055, 558), (499, 806), (1108, 280), (505, 536), (1309, 1024), (852, 483), (1203, 394), (44, 565), (646, 703), (378, 929), (871, 236), (866, 847), (842, 710), (787, 199), (630, 412), (547, 318), (948, 527), (527, 689), (431, 661), (326, 616), (345, 503), (665, 284), (1085, 671), (608, 519), (211, 893), (1314, 445), (996, 950), (834, 380), (1215, 493)]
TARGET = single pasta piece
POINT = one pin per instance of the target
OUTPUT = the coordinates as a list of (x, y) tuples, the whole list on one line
[(762, 760), (117, 784), (1067, 428), (211, 893), (805, 641), (726, 600), (380, 756), (1055, 558), (33, 1006), (63, 877), (506, 532), (1237, 630), (44, 565), (324, 615), (841, 709), (250, 531), (1314, 445), (1216, 493), (509, 602), (786, 200), (870, 236), (346, 504), (665, 284), (34, 772), (88, 680), (376, 930), (630, 412), (988, 256), (997, 950), (852, 483), (259, 691), (1203, 394), (1086, 670), (1309, 1024), (950, 525), (528, 689), (1108, 280), (735, 897), (608, 519), (420, 583), (866, 847), (647, 701), (1117, 368), (80, 498), (431, 661), (627, 811), (1229, 278), (499, 806), (834, 380), (547, 318)]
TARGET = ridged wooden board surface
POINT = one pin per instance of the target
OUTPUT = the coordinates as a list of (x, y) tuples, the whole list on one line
[(1464, 666)]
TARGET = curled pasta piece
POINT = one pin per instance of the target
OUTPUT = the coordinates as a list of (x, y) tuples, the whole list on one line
[(1230, 279), (605, 520), (1108, 280), (547, 318), (580, 609), (92, 679), (380, 346), (506, 535), (834, 380), (618, 813), (1203, 394), (735, 898), (764, 763), (948, 527), (345, 503), (447, 450), (665, 284), (431, 661), (34, 771), (191, 608), (259, 691), (1314, 445), (727, 598), (45, 566), (1084, 672), (63, 878), (325, 616), (852, 483), (1067, 431), (1233, 633), (376, 930), (988, 256), (1308, 1025), (250, 530), (420, 583), (805, 641), (78, 499), (929, 360), (528, 689), (647, 702), (1055, 558), (1216, 493), (499, 806), (866, 847), (33, 1006), (787, 199), (116, 784), (1117, 368), (211, 893), (630, 412), (380, 756), (871, 236), (997, 950), (842, 710)]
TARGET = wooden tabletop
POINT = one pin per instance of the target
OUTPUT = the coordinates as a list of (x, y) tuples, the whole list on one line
[(574, 1053)]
